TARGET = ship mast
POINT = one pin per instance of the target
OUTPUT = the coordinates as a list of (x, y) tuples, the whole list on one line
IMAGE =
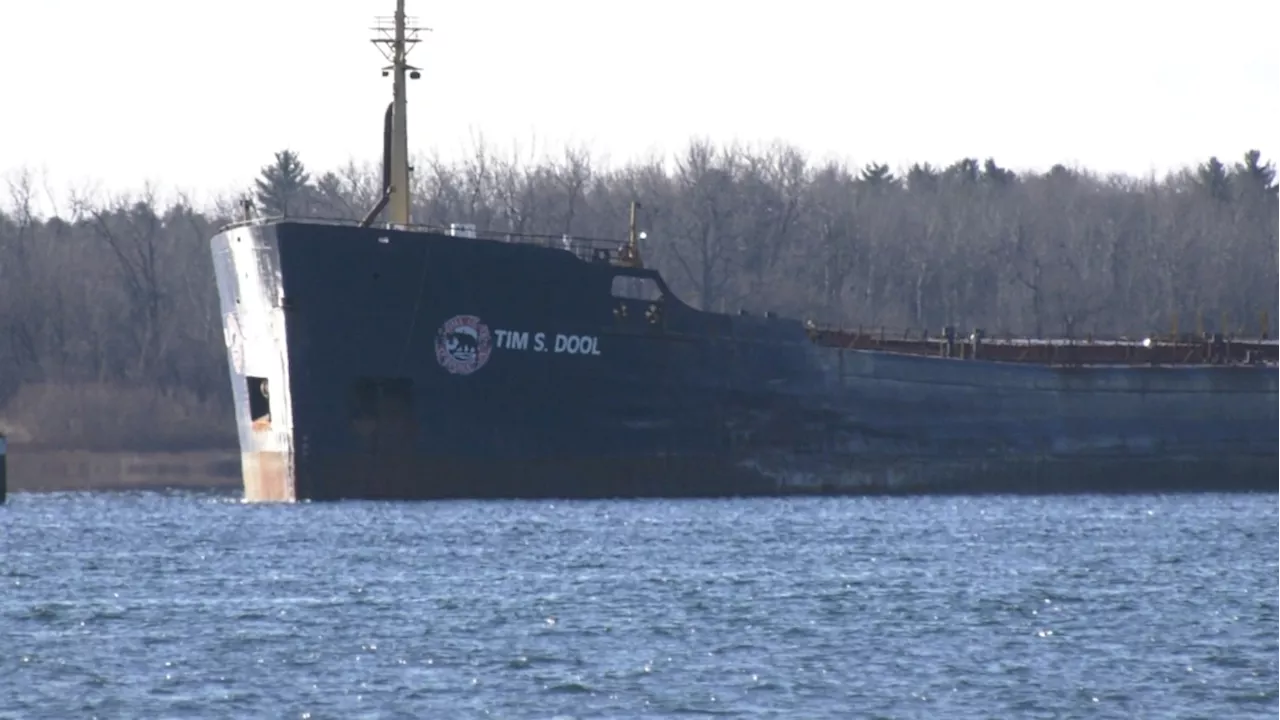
[(396, 37)]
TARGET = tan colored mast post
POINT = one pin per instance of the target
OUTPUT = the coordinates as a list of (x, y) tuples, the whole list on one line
[(631, 235), (399, 205), (400, 37)]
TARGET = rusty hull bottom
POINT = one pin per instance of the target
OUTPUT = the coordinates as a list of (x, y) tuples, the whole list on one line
[(266, 477), (418, 478)]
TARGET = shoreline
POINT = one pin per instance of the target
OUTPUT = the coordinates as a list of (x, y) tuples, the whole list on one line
[(32, 470)]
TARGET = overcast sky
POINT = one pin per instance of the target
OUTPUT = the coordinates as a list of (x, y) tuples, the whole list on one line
[(197, 95)]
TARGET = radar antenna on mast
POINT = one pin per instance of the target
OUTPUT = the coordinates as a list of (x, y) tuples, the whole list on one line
[(396, 36)]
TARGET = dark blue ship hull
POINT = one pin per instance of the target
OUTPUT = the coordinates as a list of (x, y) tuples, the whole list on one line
[(375, 363)]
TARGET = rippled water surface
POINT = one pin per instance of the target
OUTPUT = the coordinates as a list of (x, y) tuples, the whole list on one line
[(198, 606)]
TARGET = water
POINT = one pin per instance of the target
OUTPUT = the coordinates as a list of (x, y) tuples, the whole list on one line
[(198, 606)]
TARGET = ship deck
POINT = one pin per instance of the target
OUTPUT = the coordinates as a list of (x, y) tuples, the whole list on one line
[(1209, 349)]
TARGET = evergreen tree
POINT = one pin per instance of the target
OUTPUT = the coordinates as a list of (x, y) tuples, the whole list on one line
[(1253, 173), (876, 175), (965, 170), (922, 178), (1212, 177), (995, 175), (283, 187), (1062, 174)]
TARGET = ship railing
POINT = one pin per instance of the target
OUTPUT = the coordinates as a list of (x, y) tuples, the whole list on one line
[(590, 249), (1210, 349)]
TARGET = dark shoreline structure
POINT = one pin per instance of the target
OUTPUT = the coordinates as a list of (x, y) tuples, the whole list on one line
[(389, 361)]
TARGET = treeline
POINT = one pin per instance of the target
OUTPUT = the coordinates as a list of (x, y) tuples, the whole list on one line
[(110, 335)]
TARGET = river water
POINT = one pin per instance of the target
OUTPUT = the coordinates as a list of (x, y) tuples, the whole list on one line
[(188, 605)]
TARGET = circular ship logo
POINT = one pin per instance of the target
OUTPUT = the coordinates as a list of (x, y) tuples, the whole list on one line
[(462, 344)]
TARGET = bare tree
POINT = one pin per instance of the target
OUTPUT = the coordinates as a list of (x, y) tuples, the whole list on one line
[(704, 247)]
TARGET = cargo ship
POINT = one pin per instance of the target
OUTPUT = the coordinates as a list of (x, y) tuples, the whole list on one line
[(375, 359)]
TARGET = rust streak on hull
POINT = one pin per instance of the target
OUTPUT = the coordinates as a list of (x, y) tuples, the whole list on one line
[(266, 477)]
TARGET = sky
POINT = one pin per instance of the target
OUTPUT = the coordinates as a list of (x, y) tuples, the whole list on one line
[(198, 95)]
